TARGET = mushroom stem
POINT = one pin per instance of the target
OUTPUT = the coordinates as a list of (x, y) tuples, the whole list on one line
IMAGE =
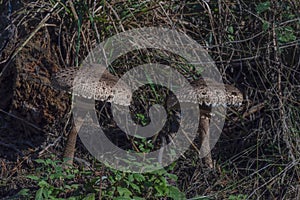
[(204, 135), (70, 146)]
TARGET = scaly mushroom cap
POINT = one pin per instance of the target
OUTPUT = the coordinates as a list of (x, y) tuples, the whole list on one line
[(210, 93), (89, 84), (206, 92)]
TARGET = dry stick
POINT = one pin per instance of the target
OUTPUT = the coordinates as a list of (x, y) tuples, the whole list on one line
[(191, 142), (256, 108), (17, 166), (50, 145)]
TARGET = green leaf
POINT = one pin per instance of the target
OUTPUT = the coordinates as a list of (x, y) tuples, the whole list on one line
[(50, 162), (263, 7), (172, 176), (160, 191), (58, 168), (75, 186), (230, 29), (33, 177), (68, 187), (70, 176), (135, 187), (287, 35), (72, 198), (39, 194), (43, 183), (175, 193), (23, 192), (139, 177), (55, 176), (40, 161), (124, 192), (130, 178)]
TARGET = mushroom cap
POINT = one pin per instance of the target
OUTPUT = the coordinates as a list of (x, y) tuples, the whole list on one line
[(90, 83), (212, 93), (207, 92)]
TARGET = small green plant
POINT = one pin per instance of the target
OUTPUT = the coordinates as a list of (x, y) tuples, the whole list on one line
[(142, 119), (286, 34), (144, 145), (53, 180), (230, 31), (140, 186)]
